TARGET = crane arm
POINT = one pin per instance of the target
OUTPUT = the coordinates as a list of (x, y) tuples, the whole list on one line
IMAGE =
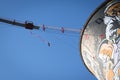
[(27, 25), (31, 26)]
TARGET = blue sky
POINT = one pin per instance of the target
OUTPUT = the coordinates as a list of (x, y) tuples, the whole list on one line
[(25, 57)]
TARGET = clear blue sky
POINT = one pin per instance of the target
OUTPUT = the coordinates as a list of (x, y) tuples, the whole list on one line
[(25, 57)]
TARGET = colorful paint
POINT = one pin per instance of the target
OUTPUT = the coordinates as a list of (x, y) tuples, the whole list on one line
[(100, 42)]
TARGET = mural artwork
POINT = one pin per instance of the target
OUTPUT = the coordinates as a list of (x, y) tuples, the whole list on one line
[(100, 42)]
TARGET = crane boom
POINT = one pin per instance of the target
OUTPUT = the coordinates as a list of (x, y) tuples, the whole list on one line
[(26, 24), (31, 26)]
